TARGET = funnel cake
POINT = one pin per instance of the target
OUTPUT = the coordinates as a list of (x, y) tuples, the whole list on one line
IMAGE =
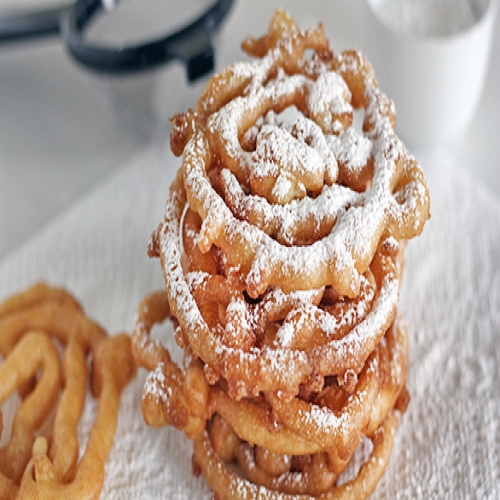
[(47, 343), (282, 251)]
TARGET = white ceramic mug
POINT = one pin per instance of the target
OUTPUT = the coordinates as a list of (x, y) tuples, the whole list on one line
[(435, 76)]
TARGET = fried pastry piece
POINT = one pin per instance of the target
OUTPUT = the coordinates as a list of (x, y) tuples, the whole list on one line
[(321, 429), (282, 248), (34, 326)]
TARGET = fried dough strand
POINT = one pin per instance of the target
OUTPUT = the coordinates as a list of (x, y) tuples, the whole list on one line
[(34, 326)]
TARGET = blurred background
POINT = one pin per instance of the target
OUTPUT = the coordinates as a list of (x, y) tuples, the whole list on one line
[(64, 128)]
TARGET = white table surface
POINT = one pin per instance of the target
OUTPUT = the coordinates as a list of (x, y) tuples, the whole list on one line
[(58, 138)]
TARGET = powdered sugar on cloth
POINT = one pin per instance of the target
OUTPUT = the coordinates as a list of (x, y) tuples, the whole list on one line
[(448, 443)]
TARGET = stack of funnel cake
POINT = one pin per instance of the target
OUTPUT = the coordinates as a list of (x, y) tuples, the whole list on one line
[(282, 252)]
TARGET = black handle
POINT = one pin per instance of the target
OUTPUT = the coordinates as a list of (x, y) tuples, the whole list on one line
[(191, 45), (20, 25)]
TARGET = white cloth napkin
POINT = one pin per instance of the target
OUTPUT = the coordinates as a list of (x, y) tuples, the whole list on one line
[(448, 442)]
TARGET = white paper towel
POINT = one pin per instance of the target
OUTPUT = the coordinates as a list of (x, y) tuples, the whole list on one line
[(448, 443)]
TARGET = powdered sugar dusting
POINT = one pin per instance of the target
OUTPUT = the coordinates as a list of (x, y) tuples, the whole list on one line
[(156, 386)]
